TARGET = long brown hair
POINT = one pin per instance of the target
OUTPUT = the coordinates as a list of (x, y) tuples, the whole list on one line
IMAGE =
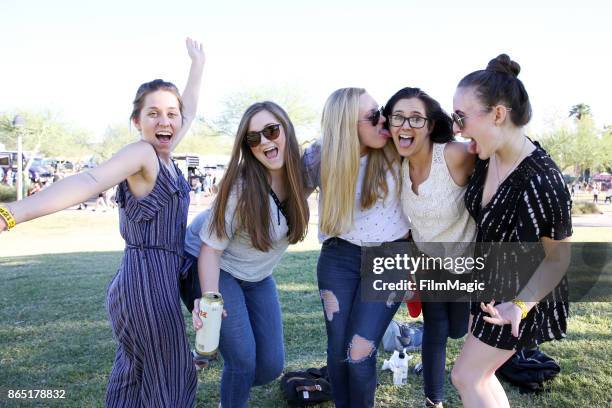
[(250, 177)]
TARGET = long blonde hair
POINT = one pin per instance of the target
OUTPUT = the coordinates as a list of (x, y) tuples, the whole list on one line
[(340, 155)]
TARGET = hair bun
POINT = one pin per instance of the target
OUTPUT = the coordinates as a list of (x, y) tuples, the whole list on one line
[(502, 63)]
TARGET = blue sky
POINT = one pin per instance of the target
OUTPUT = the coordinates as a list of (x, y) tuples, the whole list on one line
[(85, 61)]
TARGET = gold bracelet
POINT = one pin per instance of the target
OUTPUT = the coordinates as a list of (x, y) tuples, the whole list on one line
[(7, 217), (523, 306)]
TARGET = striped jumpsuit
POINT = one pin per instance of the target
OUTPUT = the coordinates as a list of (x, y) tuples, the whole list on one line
[(153, 366)]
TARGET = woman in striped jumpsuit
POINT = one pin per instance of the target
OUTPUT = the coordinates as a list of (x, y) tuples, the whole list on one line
[(153, 365)]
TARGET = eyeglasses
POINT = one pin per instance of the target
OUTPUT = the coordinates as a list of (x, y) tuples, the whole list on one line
[(270, 132), (415, 122), (373, 118), (459, 119)]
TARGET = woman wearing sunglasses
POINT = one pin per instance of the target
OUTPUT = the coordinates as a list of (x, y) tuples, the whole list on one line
[(435, 172), (516, 194), (152, 365), (260, 209), (359, 204)]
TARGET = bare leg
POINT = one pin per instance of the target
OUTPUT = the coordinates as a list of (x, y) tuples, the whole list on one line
[(474, 374)]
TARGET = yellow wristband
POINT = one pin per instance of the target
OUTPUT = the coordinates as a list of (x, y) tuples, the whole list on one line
[(7, 217), (523, 306)]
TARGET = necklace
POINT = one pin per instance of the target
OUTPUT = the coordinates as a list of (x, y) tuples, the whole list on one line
[(499, 181)]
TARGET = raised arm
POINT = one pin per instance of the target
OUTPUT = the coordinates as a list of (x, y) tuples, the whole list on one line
[(191, 93), (130, 160)]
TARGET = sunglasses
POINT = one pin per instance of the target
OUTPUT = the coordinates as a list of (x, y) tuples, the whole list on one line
[(460, 119), (270, 132), (374, 117)]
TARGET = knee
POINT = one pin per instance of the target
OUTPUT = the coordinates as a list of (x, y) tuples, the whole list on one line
[(268, 371), (243, 363), (466, 378), (360, 349)]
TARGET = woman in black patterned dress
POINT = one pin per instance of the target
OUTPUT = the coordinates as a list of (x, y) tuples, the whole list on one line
[(516, 194)]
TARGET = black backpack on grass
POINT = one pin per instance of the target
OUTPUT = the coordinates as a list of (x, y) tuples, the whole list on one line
[(304, 388), (528, 370)]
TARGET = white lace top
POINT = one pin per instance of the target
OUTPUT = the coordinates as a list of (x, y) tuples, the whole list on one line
[(438, 212)]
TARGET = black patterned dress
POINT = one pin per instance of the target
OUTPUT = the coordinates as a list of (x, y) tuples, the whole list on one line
[(531, 203)]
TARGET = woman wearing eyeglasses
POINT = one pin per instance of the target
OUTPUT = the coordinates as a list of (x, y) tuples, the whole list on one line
[(435, 172), (516, 194), (260, 209), (358, 204)]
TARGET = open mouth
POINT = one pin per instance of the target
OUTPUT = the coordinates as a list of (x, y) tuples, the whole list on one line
[(163, 136), (405, 141), (271, 152)]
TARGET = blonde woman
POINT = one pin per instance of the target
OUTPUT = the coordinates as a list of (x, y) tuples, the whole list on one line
[(359, 204)]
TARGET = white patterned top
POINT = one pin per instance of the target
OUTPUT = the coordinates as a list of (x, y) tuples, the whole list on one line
[(383, 222), (438, 212)]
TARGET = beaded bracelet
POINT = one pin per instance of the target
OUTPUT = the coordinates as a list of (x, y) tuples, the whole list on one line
[(7, 217)]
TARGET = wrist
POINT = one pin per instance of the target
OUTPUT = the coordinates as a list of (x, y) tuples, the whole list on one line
[(7, 220), (522, 306)]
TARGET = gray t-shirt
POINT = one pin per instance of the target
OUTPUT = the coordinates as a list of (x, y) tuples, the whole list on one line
[(239, 258)]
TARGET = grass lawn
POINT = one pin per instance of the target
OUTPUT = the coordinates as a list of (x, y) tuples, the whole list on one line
[(54, 333)]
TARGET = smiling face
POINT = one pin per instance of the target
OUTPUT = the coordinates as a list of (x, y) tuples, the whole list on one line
[(159, 120), (370, 136), (478, 123), (270, 153), (409, 140)]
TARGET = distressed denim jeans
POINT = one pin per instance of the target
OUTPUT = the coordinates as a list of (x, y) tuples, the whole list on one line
[(354, 327)]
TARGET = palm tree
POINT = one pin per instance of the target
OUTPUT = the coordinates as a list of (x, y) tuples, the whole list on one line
[(580, 110)]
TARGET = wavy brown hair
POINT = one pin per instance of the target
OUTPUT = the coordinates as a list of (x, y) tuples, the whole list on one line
[(251, 178)]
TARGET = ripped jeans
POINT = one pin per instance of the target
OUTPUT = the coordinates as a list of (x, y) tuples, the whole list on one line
[(354, 328)]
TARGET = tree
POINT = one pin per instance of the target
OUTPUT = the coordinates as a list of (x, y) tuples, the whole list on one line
[(560, 145), (47, 134), (204, 138), (292, 100), (582, 147), (580, 111), (115, 137)]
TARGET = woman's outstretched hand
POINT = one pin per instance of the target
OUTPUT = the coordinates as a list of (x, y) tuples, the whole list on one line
[(195, 51)]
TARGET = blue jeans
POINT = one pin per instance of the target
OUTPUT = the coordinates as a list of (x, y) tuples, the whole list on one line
[(350, 323), (251, 340), (441, 320)]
